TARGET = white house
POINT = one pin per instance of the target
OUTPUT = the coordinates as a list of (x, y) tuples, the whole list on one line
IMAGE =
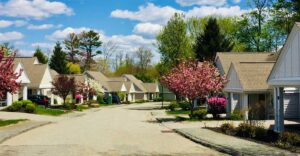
[(286, 74), (152, 90)]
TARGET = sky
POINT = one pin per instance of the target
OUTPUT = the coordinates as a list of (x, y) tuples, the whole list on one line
[(129, 24)]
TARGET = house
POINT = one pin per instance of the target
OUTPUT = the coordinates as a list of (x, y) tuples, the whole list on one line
[(248, 90), (286, 74), (140, 90), (152, 90), (165, 93), (23, 80)]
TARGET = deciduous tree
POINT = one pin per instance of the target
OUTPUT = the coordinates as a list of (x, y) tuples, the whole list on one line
[(63, 86), (72, 45)]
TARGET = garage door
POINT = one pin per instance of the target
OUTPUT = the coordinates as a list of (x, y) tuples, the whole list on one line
[(291, 105)]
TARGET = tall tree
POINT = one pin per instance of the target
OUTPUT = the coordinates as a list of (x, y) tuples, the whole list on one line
[(211, 42), (40, 55), (8, 77), (89, 44), (72, 45), (144, 57), (7, 48), (58, 61), (174, 43), (63, 86)]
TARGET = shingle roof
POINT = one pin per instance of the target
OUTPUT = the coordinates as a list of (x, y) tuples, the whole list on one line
[(253, 75), (35, 72), (120, 79), (115, 86), (101, 78), (128, 85), (226, 58), (151, 87), (137, 83)]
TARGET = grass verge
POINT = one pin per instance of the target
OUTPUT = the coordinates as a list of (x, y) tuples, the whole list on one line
[(48, 111), (10, 122), (178, 112)]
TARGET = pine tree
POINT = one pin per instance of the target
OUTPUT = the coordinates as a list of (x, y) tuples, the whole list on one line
[(211, 42), (58, 61), (40, 56)]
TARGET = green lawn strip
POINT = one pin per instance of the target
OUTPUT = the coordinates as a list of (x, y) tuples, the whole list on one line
[(178, 112), (48, 111), (105, 105), (10, 122)]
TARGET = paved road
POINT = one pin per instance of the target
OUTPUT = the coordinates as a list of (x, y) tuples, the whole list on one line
[(124, 130)]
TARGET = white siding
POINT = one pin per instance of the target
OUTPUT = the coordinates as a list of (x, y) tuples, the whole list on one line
[(46, 80), (234, 82)]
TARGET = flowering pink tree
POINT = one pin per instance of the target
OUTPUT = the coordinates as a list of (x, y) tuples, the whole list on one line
[(8, 78), (216, 105), (192, 79)]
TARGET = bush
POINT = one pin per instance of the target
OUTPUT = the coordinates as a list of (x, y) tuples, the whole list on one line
[(261, 133), (69, 106), (216, 106), (236, 115), (199, 114), (15, 107), (245, 130), (289, 139), (30, 108), (122, 96), (227, 128), (25, 103), (185, 106), (158, 99), (100, 99), (173, 106)]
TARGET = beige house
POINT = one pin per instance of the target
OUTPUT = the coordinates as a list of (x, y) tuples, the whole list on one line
[(152, 90)]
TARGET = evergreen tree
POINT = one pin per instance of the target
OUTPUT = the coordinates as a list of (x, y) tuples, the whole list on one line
[(40, 56), (211, 42), (58, 61)]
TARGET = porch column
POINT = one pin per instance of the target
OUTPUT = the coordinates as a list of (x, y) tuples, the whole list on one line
[(245, 106), (25, 92), (52, 100), (279, 115), (38, 92), (145, 96), (133, 97), (129, 97), (9, 99)]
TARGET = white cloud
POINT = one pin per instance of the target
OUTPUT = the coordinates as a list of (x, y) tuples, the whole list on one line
[(62, 34), (43, 26), (147, 29), (209, 10), (6, 23), (10, 36), (44, 45), (201, 2), (37, 9), (149, 13)]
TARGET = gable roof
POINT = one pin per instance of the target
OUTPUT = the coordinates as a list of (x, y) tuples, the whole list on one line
[(226, 58), (117, 86), (286, 69), (120, 79), (151, 87), (101, 78), (252, 75), (138, 83)]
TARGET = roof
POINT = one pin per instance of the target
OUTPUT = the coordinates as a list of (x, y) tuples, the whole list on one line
[(115, 86), (128, 85), (35, 72), (120, 79), (151, 87), (226, 58), (253, 75), (138, 83), (79, 78), (101, 78)]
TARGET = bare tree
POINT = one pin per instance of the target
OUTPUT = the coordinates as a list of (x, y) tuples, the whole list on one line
[(72, 44), (144, 57)]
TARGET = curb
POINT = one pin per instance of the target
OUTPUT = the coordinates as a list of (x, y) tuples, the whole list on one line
[(204, 143), (23, 131)]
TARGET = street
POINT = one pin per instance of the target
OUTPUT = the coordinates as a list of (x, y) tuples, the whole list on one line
[(116, 130)]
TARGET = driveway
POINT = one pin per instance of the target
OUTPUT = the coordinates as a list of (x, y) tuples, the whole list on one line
[(122, 130)]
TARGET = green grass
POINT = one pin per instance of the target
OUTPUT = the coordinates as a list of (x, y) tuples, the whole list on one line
[(10, 122), (178, 112), (48, 111)]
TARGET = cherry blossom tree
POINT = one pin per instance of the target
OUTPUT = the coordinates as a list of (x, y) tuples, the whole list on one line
[(86, 90), (8, 78), (193, 80)]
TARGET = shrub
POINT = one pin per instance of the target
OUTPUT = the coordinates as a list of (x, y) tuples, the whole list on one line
[(236, 115), (185, 106), (227, 128), (216, 106), (122, 96), (25, 103), (261, 133), (15, 107), (289, 139), (158, 99), (173, 106), (199, 114), (100, 99), (69, 106), (30, 108), (245, 130)]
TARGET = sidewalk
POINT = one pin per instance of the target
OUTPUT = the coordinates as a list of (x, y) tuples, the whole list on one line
[(16, 129)]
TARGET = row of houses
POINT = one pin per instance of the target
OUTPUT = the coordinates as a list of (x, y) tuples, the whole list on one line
[(264, 85), (37, 78)]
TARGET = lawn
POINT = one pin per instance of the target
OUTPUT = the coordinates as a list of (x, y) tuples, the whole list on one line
[(48, 111), (178, 112), (10, 122)]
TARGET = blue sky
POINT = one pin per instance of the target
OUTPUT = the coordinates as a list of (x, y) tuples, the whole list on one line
[(127, 23)]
